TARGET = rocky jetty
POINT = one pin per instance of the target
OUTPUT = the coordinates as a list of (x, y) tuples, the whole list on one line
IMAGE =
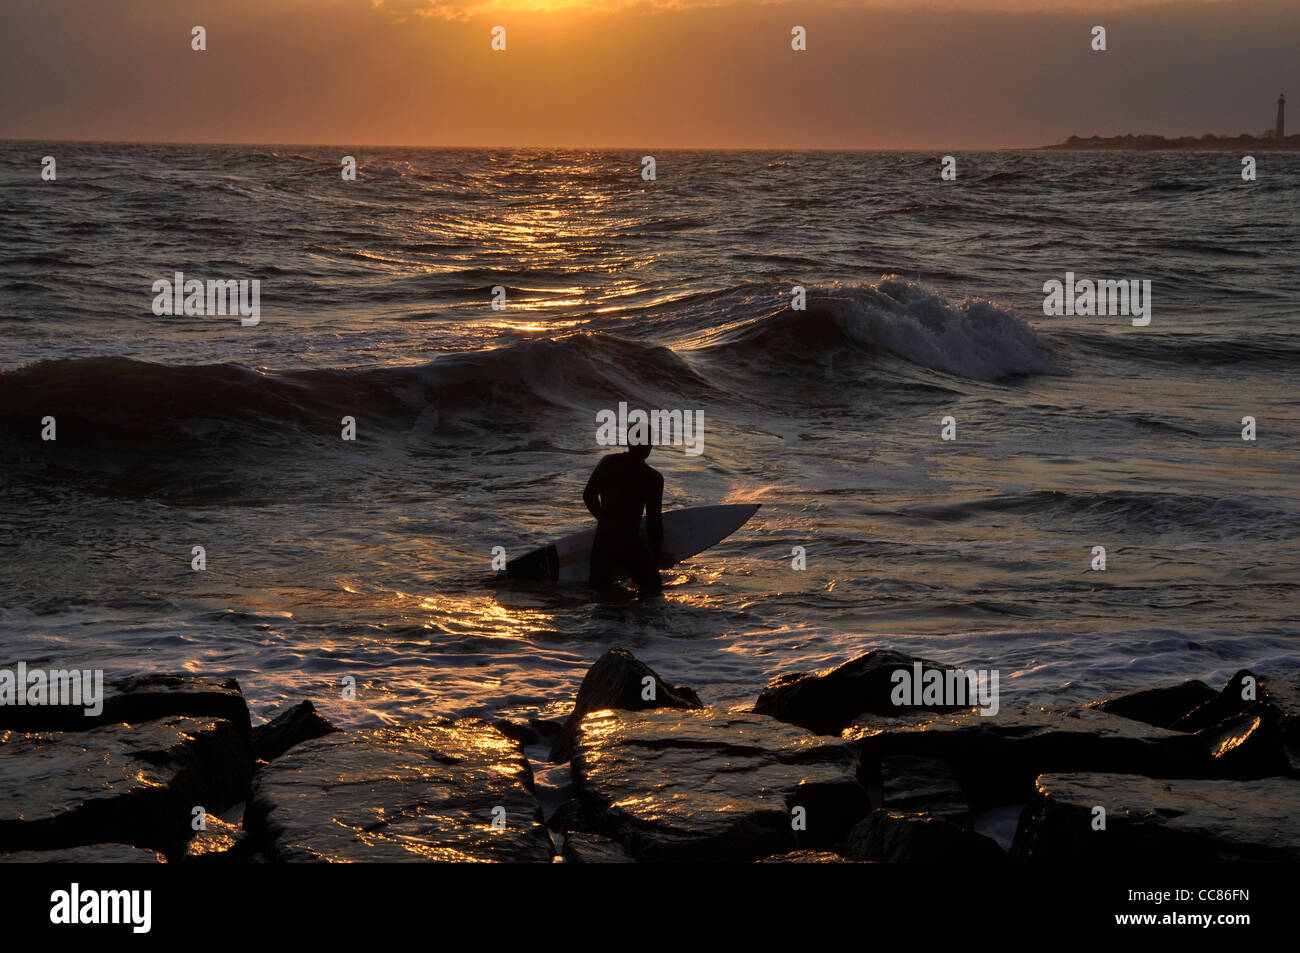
[(134, 784), (460, 791), (1126, 818), (828, 702), (619, 680), (699, 785), (825, 768)]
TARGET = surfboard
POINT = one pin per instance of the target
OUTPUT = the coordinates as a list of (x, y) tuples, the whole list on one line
[(687, 532)]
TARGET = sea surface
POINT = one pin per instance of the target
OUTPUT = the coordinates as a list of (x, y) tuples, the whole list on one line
[(372, 558)]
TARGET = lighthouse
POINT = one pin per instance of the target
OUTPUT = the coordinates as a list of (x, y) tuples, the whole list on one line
[(1281, 116)]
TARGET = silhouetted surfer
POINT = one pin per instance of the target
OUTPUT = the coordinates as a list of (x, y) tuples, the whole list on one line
[(621, 486)]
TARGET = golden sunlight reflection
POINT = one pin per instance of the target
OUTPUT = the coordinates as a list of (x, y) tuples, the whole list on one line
[(484, 615)]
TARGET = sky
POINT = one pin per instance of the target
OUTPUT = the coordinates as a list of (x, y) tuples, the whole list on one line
[(877, 74)]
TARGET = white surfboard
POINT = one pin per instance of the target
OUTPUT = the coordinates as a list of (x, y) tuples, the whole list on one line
[(687, 532)]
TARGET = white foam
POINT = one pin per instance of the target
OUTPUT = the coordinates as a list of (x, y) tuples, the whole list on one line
[(974, 338)]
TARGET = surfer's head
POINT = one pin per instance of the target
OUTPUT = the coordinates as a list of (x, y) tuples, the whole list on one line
[(640, 450)]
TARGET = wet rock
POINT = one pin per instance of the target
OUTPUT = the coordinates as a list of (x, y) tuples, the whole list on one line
[(1162, 705), (1246, 746), (618, 680), (1274, 701), (138, 699), (827, 702), (521, 732), (129, 783), (1228, 703), (923, 786), (996, 758), (292, 726), (1284, 698), (568, 816), (88, 854), (430, 792), (220, 842), (894, 838), (806, 857), (530, 732), (705, 785), (594, 849), (1186, 821)]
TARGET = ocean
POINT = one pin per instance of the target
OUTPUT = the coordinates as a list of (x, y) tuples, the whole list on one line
[(475, 427)]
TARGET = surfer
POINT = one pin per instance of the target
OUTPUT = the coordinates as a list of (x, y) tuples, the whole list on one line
[(621, 486)]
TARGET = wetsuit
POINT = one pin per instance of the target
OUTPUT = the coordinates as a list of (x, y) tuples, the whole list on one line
[(621, 486)]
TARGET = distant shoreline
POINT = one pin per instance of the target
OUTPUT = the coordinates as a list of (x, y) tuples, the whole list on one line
[(1152, 143)]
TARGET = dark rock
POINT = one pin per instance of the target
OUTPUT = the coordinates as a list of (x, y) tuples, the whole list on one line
[(1225, 705), (1176, 821), (806, 857), (292, 726), (923, 786), (568, 816), (132, 783), (1162, 705), (704, 785), (893, 838), (221, 842), (1274, 701), (618, 681), (88, 854), (996, 758), (416, 793), (1284, 698), (827, 702), (534, 731), (136, 699), (548, 728), (594, 849), (526, 735), (1246, 746)]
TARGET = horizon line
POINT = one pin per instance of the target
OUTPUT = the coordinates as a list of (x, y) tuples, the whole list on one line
[(599, 148)]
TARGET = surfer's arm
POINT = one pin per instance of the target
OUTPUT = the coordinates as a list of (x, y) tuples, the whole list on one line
[(591, 495)]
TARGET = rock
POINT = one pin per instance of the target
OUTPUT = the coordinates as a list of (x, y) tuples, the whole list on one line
[(293, 725), (1225, 705), (132, 783), (806, 857), (594, 849), (427, 792), (996, 758), (137, 699), (1162, 705), (827, 702), (895, 838), (522, 733), (88, 854), (618, 680), (568, 816), (1274, 701), (1246, 746), (1181, 821), (705, 785), (1284, 698), (220, 842), (923, 786)]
